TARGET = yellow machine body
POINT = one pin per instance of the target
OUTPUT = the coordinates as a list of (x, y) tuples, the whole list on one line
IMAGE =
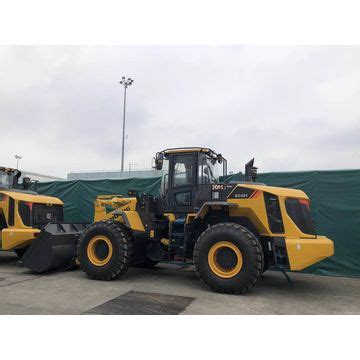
[(302, 249), (14, 233), (125, 211)]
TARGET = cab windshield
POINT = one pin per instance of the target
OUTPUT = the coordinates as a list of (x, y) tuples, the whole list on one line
[(210, 170), (9, 178), (5, 180)]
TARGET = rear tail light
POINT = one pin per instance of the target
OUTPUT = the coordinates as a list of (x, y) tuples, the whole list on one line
[(29, 204), (305, 202)]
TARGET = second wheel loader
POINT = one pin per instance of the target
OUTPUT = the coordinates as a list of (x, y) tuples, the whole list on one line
[(31, 225)]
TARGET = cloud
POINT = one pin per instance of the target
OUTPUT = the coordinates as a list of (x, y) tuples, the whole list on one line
[(293, 108)]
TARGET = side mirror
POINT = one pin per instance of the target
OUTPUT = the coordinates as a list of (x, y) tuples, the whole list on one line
[(26, 183), (158, 164), (159, 160)]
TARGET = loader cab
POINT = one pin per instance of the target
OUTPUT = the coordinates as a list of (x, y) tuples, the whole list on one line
[(185, 171), (9, 178)]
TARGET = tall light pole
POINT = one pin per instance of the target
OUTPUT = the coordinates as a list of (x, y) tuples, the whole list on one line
[(17, 157), (126, 83)]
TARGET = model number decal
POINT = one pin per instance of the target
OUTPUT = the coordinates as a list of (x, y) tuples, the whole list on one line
[(241, 193), (241, 196), (218, 187)]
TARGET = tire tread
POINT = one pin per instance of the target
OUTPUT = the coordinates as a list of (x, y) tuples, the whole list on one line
[(124, 241), (253, 244)]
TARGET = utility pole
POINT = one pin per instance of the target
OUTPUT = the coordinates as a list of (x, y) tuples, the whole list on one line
[(126, 83), (17, 157)]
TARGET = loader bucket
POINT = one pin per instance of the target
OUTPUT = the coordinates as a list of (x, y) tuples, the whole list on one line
[(54, 248)]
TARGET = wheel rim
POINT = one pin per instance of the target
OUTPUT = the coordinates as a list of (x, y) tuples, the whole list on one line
[(225, 259), (99, 250)]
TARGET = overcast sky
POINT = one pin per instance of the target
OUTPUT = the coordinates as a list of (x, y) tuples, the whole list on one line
[(292, 108)]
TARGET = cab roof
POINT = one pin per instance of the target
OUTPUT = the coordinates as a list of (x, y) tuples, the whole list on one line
[(7, 170), (189, 149)]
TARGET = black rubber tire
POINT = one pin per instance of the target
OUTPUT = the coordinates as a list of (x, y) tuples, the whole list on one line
[(20, 252), (121, 240), (251, 250)]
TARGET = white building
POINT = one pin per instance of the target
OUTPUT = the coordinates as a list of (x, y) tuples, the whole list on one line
[(114, 174), (39, 177)]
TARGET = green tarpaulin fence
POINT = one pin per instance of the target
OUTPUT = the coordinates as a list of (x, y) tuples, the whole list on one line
[(335, 203)]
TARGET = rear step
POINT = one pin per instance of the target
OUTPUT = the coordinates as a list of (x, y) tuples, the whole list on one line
[(54, 248)]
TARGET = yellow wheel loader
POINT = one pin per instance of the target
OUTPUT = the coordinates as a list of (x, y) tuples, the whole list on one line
[(32, 225), (230, 232)]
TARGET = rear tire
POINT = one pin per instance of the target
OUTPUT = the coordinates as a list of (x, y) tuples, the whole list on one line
[(228, 258), (104, 250)]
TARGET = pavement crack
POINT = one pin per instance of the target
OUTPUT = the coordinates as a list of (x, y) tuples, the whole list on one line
[(20, 281)]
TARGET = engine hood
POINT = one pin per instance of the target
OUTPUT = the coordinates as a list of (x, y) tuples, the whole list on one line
[(32, 197), (280, 191)]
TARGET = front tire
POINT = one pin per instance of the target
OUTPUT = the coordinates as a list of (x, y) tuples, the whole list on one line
[(228, 258), (104, 250)]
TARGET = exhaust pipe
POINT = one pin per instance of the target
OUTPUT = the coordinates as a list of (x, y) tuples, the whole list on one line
[(250, 171)]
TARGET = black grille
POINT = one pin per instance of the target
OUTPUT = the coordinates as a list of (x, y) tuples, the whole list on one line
[(25, 213), (273, 213), (11, 214), (299, 213), (43, 214)]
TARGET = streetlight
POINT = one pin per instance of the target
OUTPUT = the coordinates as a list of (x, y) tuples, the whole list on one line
[(17, 157), (126, 83)]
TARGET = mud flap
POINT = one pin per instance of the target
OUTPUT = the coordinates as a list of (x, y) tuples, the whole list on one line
[(54, 248)]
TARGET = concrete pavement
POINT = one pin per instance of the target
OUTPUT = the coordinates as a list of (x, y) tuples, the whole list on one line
[(71, 292)]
